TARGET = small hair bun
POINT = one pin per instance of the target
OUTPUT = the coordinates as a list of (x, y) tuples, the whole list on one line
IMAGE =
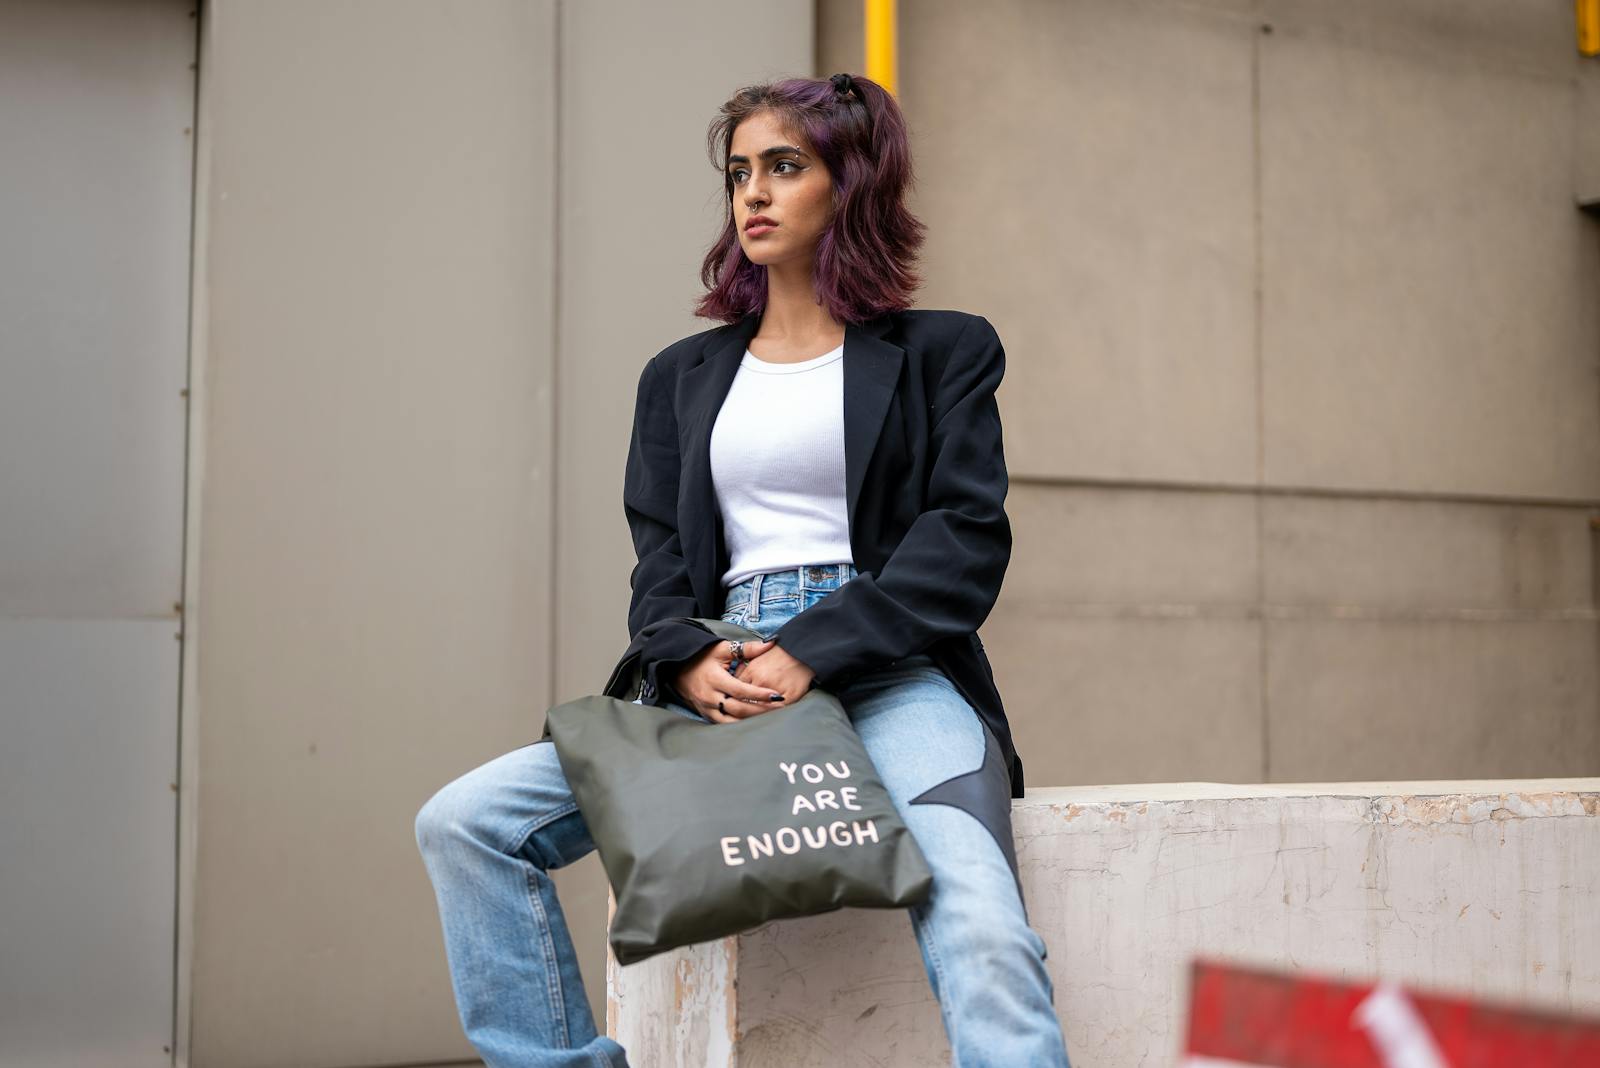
[(843, 84)]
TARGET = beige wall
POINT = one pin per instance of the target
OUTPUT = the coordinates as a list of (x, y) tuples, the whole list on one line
[(375, 541), (437, 243), (1300, 409)]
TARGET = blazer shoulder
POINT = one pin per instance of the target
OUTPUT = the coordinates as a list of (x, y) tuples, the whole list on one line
[(938, 318), (687, 351), (934, 332), (938, 324)]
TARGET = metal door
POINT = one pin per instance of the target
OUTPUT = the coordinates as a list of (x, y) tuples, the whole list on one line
[(96, 190)]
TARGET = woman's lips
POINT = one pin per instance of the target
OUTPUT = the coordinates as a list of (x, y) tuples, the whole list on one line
[(758, 230)]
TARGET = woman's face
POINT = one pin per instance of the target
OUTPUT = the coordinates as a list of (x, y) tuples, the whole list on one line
[(775, 176)]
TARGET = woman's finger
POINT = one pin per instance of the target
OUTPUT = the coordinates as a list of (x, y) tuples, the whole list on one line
[(747, 692), (748, 700), (730, 711), (710, 710), (749, 649)]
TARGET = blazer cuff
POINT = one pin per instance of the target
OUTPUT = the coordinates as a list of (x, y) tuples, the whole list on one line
[(668, 651)]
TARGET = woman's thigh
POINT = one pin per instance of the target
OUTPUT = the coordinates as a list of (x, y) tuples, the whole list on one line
[(917, 727), (930, 748)]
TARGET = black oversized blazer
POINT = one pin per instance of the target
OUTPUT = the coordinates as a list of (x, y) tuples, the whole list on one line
[(925, 482)]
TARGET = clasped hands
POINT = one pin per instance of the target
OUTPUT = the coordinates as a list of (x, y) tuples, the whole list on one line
[(767, 671)]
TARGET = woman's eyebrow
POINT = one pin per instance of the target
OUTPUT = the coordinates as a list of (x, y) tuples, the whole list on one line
[(768, 153)]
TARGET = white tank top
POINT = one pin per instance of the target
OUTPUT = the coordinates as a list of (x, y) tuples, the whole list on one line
[(777, 464)]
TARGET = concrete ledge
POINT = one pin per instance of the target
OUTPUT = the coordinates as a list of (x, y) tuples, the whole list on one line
[(1485, 887)]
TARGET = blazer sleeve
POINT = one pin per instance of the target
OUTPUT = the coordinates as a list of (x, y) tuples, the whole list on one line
[(660, 579), (943, 578)]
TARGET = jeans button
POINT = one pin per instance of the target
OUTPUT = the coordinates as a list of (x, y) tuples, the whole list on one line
[(818, 574)]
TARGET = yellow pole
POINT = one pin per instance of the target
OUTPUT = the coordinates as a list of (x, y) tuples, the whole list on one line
[(880, 43), (1588, 12)]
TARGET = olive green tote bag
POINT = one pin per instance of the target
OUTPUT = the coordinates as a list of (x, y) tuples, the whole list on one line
[(709, 829)]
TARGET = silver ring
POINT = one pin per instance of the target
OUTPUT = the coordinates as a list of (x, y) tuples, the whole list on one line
[(738, 649)]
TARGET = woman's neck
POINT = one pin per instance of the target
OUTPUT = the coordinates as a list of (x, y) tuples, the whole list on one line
[(793, 323)]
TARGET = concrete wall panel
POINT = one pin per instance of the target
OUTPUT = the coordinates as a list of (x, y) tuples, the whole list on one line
[(1450, 559), (1124, 641), (1237, 250), (1422, 699), (1429, 321), (1087, 168), (1143, 697)]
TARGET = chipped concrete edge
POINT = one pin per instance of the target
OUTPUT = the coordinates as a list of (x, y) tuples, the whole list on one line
[(1219, 791), (1391, 803)]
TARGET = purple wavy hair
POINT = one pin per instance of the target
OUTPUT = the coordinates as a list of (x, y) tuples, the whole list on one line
[(865, 257)]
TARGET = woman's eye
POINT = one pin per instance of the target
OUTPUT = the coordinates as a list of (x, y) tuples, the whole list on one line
[(738, 171)]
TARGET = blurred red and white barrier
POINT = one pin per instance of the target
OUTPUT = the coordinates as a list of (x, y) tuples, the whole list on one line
[(1247, 1018)]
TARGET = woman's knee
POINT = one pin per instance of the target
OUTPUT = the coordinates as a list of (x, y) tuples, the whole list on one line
[(493, 803), (459, 811), (443, 816)]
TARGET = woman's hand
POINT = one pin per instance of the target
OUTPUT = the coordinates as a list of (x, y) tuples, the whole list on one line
[(778, 670), (705, 681)]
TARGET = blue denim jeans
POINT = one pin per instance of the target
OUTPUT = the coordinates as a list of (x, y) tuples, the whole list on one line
[(490, 837)]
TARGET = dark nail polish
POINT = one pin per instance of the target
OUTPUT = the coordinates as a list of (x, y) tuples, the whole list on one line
[(775, 697)]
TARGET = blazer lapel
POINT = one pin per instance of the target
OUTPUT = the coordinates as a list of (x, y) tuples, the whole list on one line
[(871, 370)]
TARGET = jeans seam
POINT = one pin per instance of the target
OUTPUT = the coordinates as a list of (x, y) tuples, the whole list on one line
[(552, 976), (538, 823), (938, 961)]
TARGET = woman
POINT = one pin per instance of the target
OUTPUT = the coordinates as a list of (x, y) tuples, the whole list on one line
[(824, 469)]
